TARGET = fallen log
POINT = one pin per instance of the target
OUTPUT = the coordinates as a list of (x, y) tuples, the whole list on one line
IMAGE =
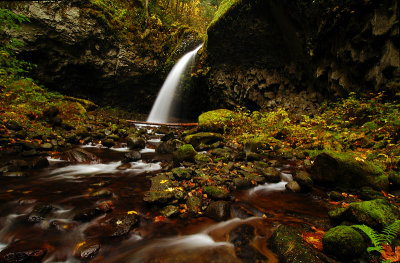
[(193, 124)]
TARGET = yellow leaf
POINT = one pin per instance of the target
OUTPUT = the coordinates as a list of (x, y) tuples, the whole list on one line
[(132, 212), (163, 181)]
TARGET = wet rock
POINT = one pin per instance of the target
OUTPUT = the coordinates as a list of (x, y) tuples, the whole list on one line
[(271, 175), (249, 254), (13, 125), (193, 204), (79, 155), (161, 189), (242, 183), (63, 226), (50, 112), (250, 156), (23, 251), (375, 213), (304, 180), (46, 146), (39, 212), (168, 136), (88, 214), (216, 192), (343, 170), (242, 235), (87, 250), (166, 147), (38, 163), (290, 247), (29, 153), (216, 120), (136, 142), (169, 211), (108, 143), (182, 174), (344, 242), (185, 153), (132, 157), (219, 210), (293, 186), (116, 225), (206, 138), (225, 153), (202, 158)]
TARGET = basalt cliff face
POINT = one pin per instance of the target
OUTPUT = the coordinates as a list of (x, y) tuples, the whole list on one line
[(77, 53), (294, 54)]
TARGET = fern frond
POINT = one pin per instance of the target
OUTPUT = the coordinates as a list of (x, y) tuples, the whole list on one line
[(378, 249), (390, 232), (376, 238)]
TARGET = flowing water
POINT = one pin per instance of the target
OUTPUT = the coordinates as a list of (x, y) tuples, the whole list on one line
[(163, 106), (68, 188)]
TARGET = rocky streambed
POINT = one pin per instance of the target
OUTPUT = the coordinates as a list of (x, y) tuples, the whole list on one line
[(163, 194)]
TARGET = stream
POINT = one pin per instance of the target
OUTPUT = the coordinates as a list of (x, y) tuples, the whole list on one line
[(50, 208)]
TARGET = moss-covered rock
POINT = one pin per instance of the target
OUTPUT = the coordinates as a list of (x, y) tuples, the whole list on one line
[(161, 189), (375, 213), (290, 247), (216, 192), (344, 170), (136, 142), (181, 174), (344, 242), (207, 138), (193, 204), (185, 153), (169, 211), (202, 158), (216, 120)]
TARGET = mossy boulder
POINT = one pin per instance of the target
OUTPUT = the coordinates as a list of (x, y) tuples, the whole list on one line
[(344, 242), (185, 153), (376, 213), (290, 247), (216, 120), (206, 138), (344, 170), (202, 158), (136, 142)]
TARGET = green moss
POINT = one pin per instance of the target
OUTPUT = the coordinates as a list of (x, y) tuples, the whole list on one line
[(376, 213), (216, 120), (216, 192), (180, 173), (203, 137), (202, 158), (344, 242), (222, 10), (185, 153)]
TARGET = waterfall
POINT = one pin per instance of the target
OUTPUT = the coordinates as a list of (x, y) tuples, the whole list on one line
[(162, 108)]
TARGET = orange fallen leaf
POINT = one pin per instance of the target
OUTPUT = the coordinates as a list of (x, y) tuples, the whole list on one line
[(389, 254)]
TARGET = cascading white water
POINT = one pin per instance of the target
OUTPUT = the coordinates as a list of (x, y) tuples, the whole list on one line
[(163, 105)]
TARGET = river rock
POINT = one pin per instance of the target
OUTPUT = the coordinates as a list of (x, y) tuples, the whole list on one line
[(206, 138), (87, 214), (290, 247), (185, 153), (23, 251), (87, 249), (161, 189), (166, 147), (375, 213), (132, 156), (343, 170), (79, 155), (39, 212), (216, 192), (219, 210), (271, 175), (223, 153), (344, 242), (169, 211), (293, 186), (114, 225), (136, 142), (182, 174), (108, 142), (304, 180), (193, 204), (13, 125)]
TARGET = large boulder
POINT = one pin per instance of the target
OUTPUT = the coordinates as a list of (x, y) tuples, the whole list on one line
[(185, 153), (376, 213), (216, 120), (344, 170), (344, 242)]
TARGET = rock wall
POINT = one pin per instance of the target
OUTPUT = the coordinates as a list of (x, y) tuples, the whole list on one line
[(294, 54), (78, 54)]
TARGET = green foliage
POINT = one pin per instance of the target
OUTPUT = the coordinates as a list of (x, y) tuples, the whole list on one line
[(9, 63), (387, 236)]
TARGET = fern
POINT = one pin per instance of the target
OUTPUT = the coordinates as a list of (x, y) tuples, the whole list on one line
[(376, 238), (390, 232)]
